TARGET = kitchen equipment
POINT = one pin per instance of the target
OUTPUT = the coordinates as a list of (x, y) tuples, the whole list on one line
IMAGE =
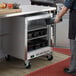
[(38, 37)]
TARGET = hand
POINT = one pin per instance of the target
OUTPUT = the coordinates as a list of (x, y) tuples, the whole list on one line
[(57, 19)]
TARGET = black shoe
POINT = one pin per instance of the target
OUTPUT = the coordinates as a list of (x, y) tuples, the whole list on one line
[(69, 72)]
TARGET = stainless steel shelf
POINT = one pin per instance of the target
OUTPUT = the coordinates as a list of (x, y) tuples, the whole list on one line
[(38, 37), (36, 28)]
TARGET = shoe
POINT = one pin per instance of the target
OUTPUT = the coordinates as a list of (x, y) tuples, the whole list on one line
[(69, 72)]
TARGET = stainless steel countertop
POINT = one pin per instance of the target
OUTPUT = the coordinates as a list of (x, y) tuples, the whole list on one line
[(29, 9)]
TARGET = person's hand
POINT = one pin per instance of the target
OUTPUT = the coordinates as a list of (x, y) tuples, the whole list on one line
[(57, 19)]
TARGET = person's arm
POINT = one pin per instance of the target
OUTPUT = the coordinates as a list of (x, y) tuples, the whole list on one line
[(60, 14)]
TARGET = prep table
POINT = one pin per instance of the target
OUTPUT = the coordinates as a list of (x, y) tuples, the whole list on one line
[(18, 31)]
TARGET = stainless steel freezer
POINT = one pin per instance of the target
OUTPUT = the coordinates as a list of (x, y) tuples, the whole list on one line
[(32, 38), (38, 37)]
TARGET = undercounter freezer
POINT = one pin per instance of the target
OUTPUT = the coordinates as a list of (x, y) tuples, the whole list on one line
[(38, 36), (31, 37)]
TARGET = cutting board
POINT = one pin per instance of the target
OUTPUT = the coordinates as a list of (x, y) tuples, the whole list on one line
[(9, 11)]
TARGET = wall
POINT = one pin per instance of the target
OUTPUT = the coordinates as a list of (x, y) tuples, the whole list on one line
[(17, 1), (62, 30)]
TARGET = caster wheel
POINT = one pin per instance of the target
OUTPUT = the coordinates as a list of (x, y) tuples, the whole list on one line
[(8, 58), (49, 57), (27, 65)]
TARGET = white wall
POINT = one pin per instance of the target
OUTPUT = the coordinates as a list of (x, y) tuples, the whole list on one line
[(17, 1), (62, 30), (62, 34)]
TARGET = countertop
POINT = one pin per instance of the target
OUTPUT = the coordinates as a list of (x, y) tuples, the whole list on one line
[(29, 9)]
